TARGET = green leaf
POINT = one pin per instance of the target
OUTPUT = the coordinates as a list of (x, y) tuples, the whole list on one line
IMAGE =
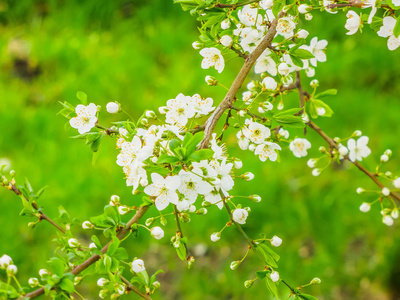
[(67, 285), (326, 93), (192, 144), (58, 266), (201, 155), (307, 297), (297, 61), (272, 286), (319, 103), (290, 121), (113, 246), (291, 111), (153, 277), (9, 290), (174, 144), (271, 252), (277, 7), (121, 254), (112, 213), (96, 241), (165, 158), (303, 54), (96, 143), (261, 274), (82, 97), (312, 109), (268, 258), (181, 251)]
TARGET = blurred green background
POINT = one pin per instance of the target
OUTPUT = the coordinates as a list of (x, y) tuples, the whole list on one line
[(139, 53)]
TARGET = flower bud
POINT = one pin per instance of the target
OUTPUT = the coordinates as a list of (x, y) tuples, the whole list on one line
[(144, 122), (235, 264), (242, 113), (103, 294), (151, 114), (274, 276), (276, 241), (225, 24), (396, 183), (202, 211), (308, 16), (120, 288), (114, 200), (5, 261), (311, 163), (310, 72), (248, 283), (206, 204), (280, 105), (113, 107), (315, 281), (255, 198), (387, 220), (157, 232), (138, 266), (197, 45), (283, 69), (357, 133), (43, 273), (192, 208), (388, 174), (87, 225), (33, 282), (92, 245), (316, 172), (226, 41), (365, 207), (252, 147), (156, 284), (73, 243), (285, 8), (384, 158), (163, 221), (388, 152), (395, 213), (343, 150), (239, 215), (215, 236), (123, 209), (314, 83), (360, 190), (247, 176), (385, 192), (12, 270), (102, 282), (210, 80), (302, 34), (149, 221), (322, 149), (304, 8), (238, 163), (12, 173)]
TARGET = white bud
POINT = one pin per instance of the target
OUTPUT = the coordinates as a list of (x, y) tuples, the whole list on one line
[(138, 266), (151, 114), (302, 34), (269, 83), (102, 281), (304, 8), (314, 83), (210, 80), (154, 159), (395, 213), (123, 209), (357, 133), (255, 198), (276, 241), (365, 207), (5, 261), (252, 147), (388, 152), (225, 24), (192, 208), (310, 72), (387, 220), (321, 111), (388, 173), (248, 176), (311, 163), (163, 110), (157, 232), (384, 158), (87, 225), (73, 243), (226, 41), (215, 236), (283, 69), (343, 150), (234, 265), (308, 16), (12, 270), (385, 192), (113, 107), (33, 282), (120, 289), (274, 276), (316, 172), (197, 45), (396, 183), (360, 190), (43, 273), (238, 163), (280, 105), (239, 215), (315, 281), (92, 245), (114, 200)]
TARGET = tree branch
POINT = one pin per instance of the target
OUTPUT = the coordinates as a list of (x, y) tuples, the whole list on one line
[(237, 83), (142, 210)]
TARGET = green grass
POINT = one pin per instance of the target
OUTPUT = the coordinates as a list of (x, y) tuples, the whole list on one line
[(141, 56)]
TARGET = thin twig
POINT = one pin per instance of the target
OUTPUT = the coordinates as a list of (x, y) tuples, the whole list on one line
[(133, 288), (178, 225), (78, 269)]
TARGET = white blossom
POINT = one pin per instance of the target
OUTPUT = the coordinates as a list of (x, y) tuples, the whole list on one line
[(240, 215), (396, 183), (299, 147), (387, 220), (256, 132), (192, 185), (267, 150), (138, 266), (226, 40), (179, 110), (164, 189), (385, 192), (358, 149), (212, 57), (249, 16), (215, 236), (113, 107), (285, 27), (274, 276), (353, 22), (86, 118), (365, 207), (5, 261), (317, 48), (265, 63), (387, 31), (276, 241), (201, 106), (157, 232)]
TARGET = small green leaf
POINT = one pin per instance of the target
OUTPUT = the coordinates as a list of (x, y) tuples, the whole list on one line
[(67, 285), (303, 54), (321, 104), (192, 144), (307, 297), (272, 286), (96, 241), (291, 111), (58, 266), (121, 254), (326, 93), (165, 158), (290, 121), (82, 97), (201, 155), (297, 61), (268, 259), (113, 246), (277, 7), (261, 274)]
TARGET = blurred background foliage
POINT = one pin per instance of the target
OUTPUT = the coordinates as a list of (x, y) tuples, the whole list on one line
[(139, 53)]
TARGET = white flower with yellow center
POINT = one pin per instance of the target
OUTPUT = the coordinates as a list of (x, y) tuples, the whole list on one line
[(180, 110), (226, 182), (243, 141), (317, 48), (358, 149), (192, 185), (86, 118), (214, 197), (285, 27), (201, 106), (130, 152), (256, 132), (267, 150), (135, 175), (249, 16), (212, 58), (239, 215), (353, 22), (299, 147), (164, 189), (387, 31), (265, 63)]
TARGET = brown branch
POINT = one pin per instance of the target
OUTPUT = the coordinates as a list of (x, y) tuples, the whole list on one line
[(237, 83), (142, 210), (43, 216), (133, 288)]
